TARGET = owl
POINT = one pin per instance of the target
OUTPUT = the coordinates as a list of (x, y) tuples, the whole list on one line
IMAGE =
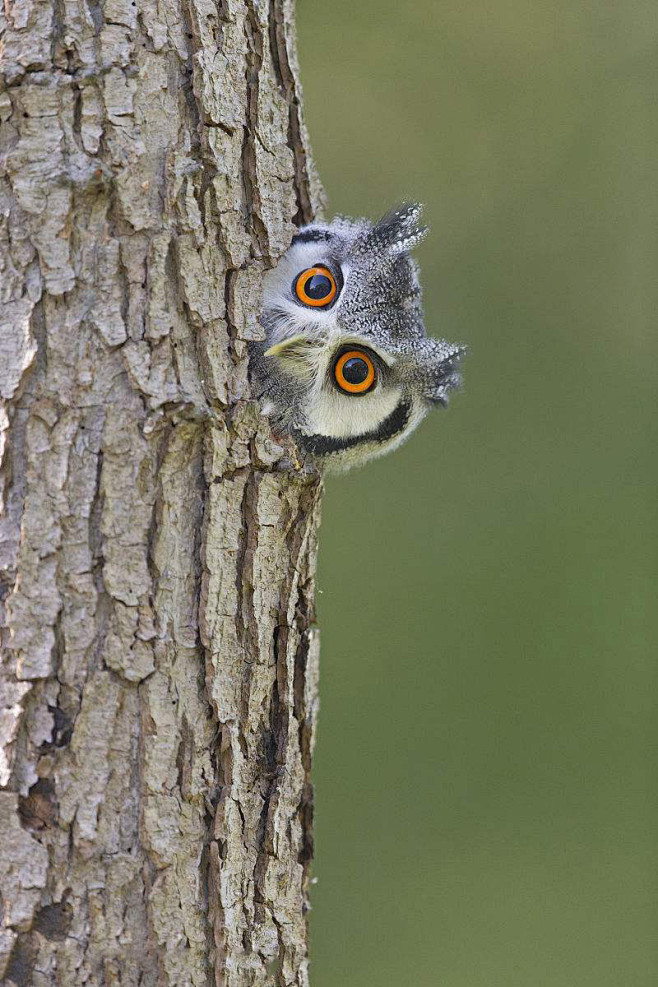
[(346, 368)]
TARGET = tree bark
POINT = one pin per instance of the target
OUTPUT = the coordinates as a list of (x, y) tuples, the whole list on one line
[(159, 676)]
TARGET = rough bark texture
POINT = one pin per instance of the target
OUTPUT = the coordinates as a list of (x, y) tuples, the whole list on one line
[(159, 676)]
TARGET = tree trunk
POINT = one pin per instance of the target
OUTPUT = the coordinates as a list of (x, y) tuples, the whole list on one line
[(159, 684)]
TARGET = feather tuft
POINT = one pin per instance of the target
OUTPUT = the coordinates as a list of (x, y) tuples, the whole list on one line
[(398, 231)]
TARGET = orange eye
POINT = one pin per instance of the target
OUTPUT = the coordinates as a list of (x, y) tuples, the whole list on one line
[(316, 287), (354, 372)]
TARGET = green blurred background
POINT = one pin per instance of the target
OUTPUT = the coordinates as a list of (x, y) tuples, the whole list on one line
[(486, 766)]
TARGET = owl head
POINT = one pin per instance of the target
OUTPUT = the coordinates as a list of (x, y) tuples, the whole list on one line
[(346, 367)]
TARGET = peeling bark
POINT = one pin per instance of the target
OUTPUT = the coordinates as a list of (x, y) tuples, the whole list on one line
[(158, 688)]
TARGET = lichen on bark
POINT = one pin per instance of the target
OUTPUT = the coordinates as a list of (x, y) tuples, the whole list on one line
[(158, 687)]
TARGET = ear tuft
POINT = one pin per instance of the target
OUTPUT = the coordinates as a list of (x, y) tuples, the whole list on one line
[(397, 231), (440, 362)]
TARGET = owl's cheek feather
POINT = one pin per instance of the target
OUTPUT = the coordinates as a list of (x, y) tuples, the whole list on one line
[(336, 455), (328, 411), (391, 426)]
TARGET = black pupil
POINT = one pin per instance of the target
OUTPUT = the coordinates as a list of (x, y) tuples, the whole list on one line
[(318, 287), (355, 370)]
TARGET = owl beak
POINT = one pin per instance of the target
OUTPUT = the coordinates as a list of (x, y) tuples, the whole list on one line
[(278, 348)]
